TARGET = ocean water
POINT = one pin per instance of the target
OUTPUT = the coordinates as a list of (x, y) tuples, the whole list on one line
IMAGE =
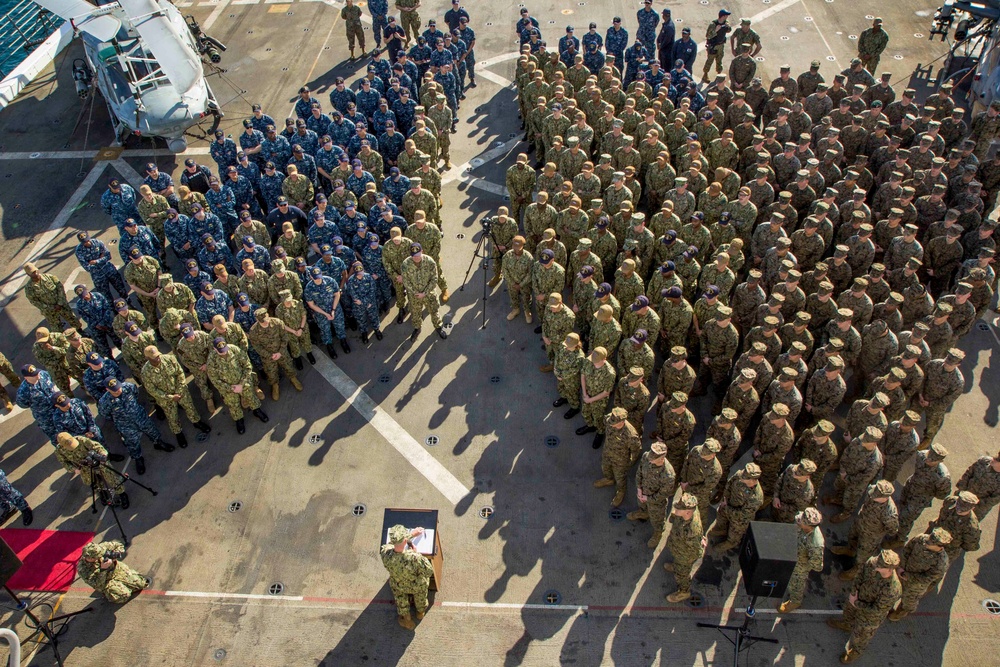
[(21, 22)]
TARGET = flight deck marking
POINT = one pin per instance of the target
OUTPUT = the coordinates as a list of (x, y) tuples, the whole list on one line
[(428, 466)]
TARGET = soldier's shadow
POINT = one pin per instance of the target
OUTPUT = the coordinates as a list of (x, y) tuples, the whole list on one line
[(374, 637)]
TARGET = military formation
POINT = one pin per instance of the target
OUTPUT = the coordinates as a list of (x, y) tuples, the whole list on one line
[(806, 252)]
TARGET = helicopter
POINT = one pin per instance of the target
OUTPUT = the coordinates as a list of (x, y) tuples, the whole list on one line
[(146, 60)]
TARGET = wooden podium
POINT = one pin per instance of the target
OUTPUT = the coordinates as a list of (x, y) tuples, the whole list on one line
[(417, 518)]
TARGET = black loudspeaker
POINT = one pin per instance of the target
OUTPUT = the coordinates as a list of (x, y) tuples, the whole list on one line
[(768, 555)]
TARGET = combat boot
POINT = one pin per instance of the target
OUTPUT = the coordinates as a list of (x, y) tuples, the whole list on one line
[(679, 596), (559, 402), (202, 426), (298, 363), (445, 295), (442, 334), (447, 164), (572, 412), (116, 457), (378, 334), (211, 405), (638, 515), (401, 316), (843, 551), (275, 392), (159, 413), (850, 575), (241, 426), (344, 346), (603, 482), (850, 655), (8, 406), (894, 615), (494, 281), (421, 614), (598, 441), (295, 383), (140, 465), (259, 393), (668, 566), (364, 338), (618, 499), (527, 316), (787, 606), (510, 316), (416, 332), (406, 622), (310, 357), (182, 440), (27, 516), (261, 415), (123, 500), (655, 539), (163, 445), (331, 350)]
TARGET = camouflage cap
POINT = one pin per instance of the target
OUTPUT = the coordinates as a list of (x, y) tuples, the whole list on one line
[(678, 399), (937, 452), (805, 467), (572, 339), (728, 415), (825, 426), (678, 352), (879, 400), (940, 537), (835, 344), (883, 489), (810, 516), (967, 499), (887, 558), (599, 353), (954, 357), (872, 434), (911, 418), (751, 471), (398, 534), (658, 449), (635, 373), (687, 501), (711, 445), (834, 364), (93, 551), (778, 411), (748, 375)]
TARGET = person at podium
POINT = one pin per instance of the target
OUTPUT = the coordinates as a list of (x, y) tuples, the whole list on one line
[(409, 573)]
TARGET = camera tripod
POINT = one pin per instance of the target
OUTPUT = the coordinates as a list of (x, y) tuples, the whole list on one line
[(482, 253), (109, 498), (45, 628), (743, 639)]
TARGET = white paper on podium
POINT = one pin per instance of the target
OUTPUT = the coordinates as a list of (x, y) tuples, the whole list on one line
[(423, 543)]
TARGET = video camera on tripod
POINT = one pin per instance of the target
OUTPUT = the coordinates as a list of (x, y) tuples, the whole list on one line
[(94, 459)]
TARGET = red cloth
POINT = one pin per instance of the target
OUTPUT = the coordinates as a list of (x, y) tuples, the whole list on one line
[(49, 557)]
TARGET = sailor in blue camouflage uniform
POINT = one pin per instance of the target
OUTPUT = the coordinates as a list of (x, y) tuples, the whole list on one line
[(593, 59), (327, 159), (367, 98), (250, 139), (212, 253), (141, 237), (381, 224), (305, 137), (275, 148), (633, 56), (161, 184), (318, 122), (36, 392), (178, 232), (420, 54), (260, 120), (371, 258), (222, 201), (322, 296), (391, 141), (615, 41), (223, 151), (95, 375), (204, 222), (244, 315), (379, 10), (648, 20), (395, 186), (73, 416), (212, 302), (120, 202), (359, 179), (358, 240), (361, 288), (121, 405), (329, 264), (454, 43), (270, 185), (243, 192), (449, 84), (95, 258), (11, 499), (95, 310), (405, 109), (322, 230), (305, 163), (194, 277), (341, 130), (252, 251)]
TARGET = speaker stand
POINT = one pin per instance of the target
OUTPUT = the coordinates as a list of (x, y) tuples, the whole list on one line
[(742, 639), (45, 628)]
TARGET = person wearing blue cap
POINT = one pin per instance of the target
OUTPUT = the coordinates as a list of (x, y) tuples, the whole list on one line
[(223, 151), (121, 405), (35, 392), (361, 289), (213, 253), (120, 202), (139, 236), (275, 149), (420, 277), (95, 258), (211, 302), (648, 21), (232, 375), (255, 253), (160, 183), (322, 295)]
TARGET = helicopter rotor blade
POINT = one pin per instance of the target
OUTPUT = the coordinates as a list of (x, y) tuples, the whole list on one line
[(103, 28), (165, 41)]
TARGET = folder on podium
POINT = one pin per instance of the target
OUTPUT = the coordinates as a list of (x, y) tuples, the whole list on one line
[(429, 544)]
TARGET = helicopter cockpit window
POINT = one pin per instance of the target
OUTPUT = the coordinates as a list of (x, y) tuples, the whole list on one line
[(134, 66)]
